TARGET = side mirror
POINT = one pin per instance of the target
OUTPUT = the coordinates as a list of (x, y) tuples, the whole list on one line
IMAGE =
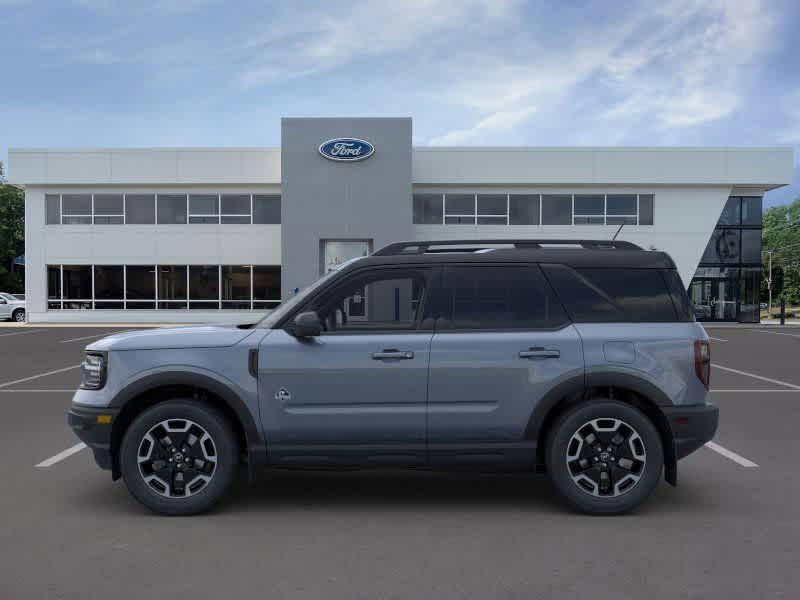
[(306, 325)]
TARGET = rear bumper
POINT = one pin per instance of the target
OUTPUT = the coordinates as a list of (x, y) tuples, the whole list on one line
[(692, 426), (83, 420)]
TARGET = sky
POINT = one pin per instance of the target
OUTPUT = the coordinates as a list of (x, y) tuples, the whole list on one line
[(105, 73)]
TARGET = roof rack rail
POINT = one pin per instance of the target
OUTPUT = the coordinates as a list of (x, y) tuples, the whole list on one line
[(419, 247)]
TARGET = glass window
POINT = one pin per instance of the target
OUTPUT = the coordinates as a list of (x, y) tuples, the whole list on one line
[(236, 287), (108, 209), (557, 209), (751, 211), (749, 294), (612, 295), (646, 209), (621, 204), (428, 209), (140, 282), (730, 214), (380, 301), (589, 209), (172, 286), (266, 286), (523, 209), (77, 286), (498, 298), (492, 209), (723, 247), (140, 209), (171, 209), (108, 282), (53, 209), (203, 286), (203, 208), (267, 209), (680, 299), (459, 209), (76, 209), (235, 208), (54, 286), (751, 246)]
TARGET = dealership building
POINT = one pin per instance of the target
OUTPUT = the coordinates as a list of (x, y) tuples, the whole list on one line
[(224, 234)]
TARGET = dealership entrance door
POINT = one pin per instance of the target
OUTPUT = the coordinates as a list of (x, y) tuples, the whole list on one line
[(714, 299)]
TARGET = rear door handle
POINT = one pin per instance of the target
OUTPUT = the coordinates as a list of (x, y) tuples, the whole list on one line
[(393, 354), (540, 353)]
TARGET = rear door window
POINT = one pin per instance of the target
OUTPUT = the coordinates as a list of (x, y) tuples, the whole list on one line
[(497, 297), (603, 295)]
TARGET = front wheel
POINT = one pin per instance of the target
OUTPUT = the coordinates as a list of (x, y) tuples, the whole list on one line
[(179, 457), (605, 457), (19, 315)]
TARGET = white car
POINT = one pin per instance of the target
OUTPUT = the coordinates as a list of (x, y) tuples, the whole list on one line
[(12, 308)]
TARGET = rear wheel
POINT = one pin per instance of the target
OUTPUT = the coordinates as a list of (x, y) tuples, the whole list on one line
[(605, 457), (179, 457), (19, 315)]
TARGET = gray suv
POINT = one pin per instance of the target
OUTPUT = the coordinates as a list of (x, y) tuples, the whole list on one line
[(581, 359)]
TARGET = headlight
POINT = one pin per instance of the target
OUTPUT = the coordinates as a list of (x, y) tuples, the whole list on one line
[(94, 371)]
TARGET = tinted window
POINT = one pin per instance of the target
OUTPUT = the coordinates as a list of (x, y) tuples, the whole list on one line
[(730, 214), (266, 209), (612, 295), (751, 211), (236, 287), (140, 209), (680, 299), (53, 282), (53, 206), (140, 282), (76, 209), (108, 282), (171, 209), (172, 286), (751, 245), (266, 287), (459, 209), (235, 208), (723, 247), (428, 209), (203, 208), (498, 298), (523, 209), (557, 209), (646, 209), (203, 285), (77, 282), (379, 301), (492, 209), (108, 209), (589, 209)]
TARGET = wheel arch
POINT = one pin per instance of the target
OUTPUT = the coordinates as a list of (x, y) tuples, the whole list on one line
[(153, 389), (633, 390)]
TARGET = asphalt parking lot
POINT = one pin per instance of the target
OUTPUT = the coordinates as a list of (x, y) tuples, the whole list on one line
[(729, 530)]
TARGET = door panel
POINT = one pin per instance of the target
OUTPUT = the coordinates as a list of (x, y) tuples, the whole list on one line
[(485, 386), (331, 390)]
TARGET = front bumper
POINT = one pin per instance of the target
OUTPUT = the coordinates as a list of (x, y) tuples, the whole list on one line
[(692, 426), (93, 427)]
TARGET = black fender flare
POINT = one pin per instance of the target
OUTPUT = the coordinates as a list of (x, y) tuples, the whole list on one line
[(256, 445)]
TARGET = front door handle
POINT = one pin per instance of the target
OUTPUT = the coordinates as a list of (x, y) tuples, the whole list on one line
[(392, 354), (540, 353)]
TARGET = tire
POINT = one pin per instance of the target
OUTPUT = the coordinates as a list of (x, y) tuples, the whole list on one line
[(173, 421), (570, 443), (18, 315)]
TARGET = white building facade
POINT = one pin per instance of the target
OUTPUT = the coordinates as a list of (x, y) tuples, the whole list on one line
[(223, 234)]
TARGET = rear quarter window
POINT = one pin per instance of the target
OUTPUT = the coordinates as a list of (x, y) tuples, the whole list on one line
[(604, 295)]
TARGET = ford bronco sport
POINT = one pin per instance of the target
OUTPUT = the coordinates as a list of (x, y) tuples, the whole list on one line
[(581, 359)]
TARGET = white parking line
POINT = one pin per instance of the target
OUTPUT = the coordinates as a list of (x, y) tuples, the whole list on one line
[(723, 391), (754, 376), (22, 332), (87, 337), (738, 459), (49, 462), (66, 391), (24, 379), (794, 335), (716, 339)]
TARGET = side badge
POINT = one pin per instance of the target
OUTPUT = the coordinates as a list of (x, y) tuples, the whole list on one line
[(283, 395)]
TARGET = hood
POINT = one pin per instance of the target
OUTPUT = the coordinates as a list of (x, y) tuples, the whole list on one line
[(202, 336)]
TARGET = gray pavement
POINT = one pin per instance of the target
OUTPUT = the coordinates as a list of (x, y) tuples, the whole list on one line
[(726, 531)]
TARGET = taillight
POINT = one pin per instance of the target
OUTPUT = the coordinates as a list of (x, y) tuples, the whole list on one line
[(702, 361)]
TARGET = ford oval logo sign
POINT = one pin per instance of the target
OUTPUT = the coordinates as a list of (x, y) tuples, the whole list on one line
[(344, 149)]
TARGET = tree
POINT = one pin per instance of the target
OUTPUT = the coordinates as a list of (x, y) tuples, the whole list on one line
[(781, 235), (12, 235)]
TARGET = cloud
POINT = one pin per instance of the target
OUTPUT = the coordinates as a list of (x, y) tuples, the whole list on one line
[(495, 123)]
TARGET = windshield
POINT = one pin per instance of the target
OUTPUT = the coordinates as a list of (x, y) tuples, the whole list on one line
[(285, 307)]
